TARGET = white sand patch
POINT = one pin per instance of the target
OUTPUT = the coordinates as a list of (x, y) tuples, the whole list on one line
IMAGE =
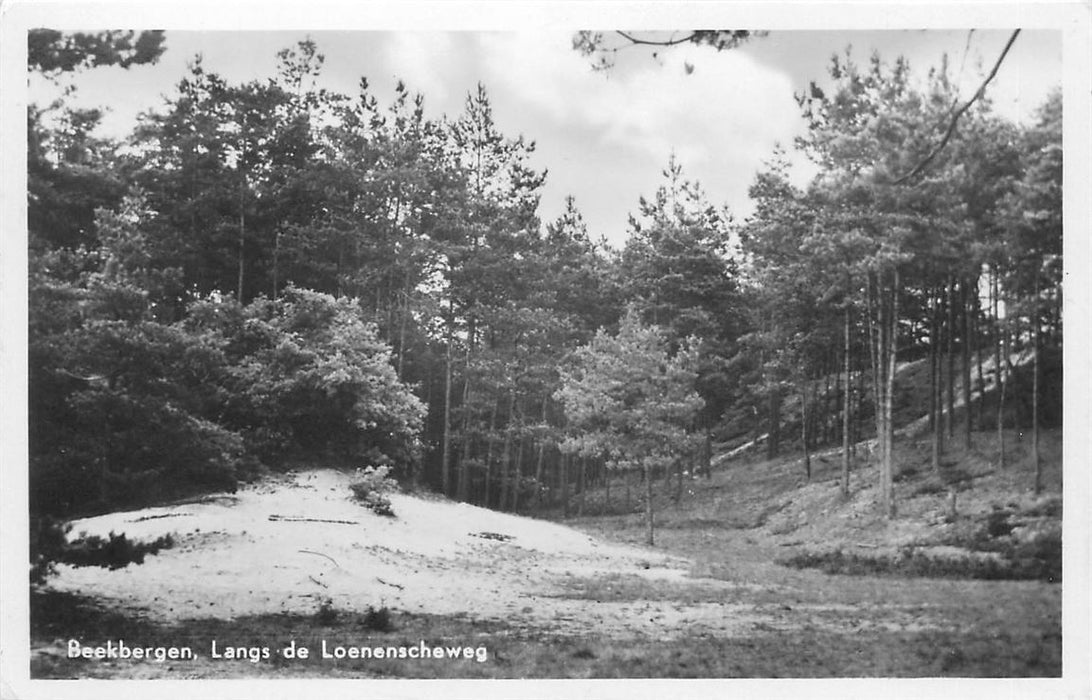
[(260, 551)]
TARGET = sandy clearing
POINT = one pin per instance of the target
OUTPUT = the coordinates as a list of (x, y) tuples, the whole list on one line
[(231, 559)]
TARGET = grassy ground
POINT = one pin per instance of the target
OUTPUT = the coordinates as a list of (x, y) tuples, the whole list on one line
[(767, 652), (752, 518)]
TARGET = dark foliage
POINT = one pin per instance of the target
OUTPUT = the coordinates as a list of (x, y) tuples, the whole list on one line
[(50, 546), (1039, 559), (371, 488), (377, 619)]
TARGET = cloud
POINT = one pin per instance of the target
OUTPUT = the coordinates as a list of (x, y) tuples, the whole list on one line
[(728, 99), (425, 61), (721, 120)]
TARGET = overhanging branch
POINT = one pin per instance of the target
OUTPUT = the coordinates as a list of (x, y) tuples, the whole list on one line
[(955, 117)]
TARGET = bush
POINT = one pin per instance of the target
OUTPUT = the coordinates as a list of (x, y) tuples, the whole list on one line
[(371, 487), (49, 546), (116, 552), (1040, 560), (326, 614), (377, 619), (308, 376)]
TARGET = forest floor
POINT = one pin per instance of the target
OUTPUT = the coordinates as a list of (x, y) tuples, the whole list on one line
[(294, 559)]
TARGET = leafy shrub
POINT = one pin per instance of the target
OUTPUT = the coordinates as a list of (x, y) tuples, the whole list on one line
[(115, 552), (929, 487), (378, 619), (48, 539), (912, 562), (49, 546), (1041, 555), (309, 376), (998, 524), (371, 487), (122, 407), (326, 614)]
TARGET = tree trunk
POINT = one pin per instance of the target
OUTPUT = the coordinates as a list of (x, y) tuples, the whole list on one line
[(936, 380), (563, 476), (774, 439), (804, 428), (517, 472), (276, 256), (968, 441), (506, 454), (490, 441), (889, 399), (445, 464), (949, 417), (648, 507), (402, 331), (606, 488), (886, 309), (538, 460), (583, 477), (707, 454), (981, 382), (1000, 350), (242, 211), (845, 404), (858, 415), (1035, 326), (462, 487), (678, 480)]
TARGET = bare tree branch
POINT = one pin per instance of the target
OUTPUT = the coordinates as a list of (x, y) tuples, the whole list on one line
[(649, 42), (955, 117)]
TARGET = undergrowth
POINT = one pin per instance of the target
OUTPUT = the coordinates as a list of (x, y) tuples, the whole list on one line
[(116, 551), (371, 487)]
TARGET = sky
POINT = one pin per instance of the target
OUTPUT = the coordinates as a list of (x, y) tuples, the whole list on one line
[(604, 137)]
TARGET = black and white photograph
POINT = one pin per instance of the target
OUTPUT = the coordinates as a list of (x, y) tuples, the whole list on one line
[(498, 345)]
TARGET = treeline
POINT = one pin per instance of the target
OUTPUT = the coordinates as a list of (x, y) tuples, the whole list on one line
[(270, 273)]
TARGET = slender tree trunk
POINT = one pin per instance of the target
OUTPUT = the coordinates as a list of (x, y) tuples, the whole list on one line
[(804, 428), (887, 310), (678, 480), (539, 458), (517, 474), (505, 466), (276, 256), (858, 415), (936, 401), (402, 331), (606, 488), (563, 475), (1001, 351), (583, 484), (968, 441), (773, 442), (462, 487), (242, 210), (889, 443), (707, 454), (976, 331), (1035, 326), (845, 403), (490, 441), (445, 464), (648, 508), (873, 351), (949, 418)]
